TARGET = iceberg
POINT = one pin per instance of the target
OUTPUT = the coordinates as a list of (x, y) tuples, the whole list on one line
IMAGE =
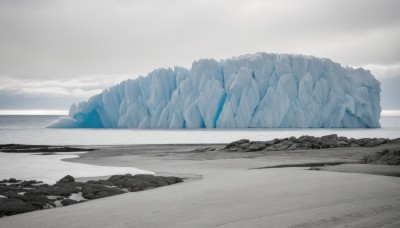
[(251, 91)]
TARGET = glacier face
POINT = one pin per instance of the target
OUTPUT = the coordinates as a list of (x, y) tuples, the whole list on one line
[(251, 91)]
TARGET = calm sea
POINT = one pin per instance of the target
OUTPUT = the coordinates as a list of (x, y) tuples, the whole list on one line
[(32, 130)]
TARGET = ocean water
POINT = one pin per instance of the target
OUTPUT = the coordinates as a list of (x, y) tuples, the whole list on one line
[(32, 130)]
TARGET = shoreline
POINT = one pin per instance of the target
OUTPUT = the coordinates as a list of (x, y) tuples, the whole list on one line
[(232, 193)]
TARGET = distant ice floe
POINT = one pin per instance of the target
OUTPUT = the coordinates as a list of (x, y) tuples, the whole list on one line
[(251, 91)]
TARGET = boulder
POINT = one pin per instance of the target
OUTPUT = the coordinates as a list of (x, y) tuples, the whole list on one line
[(244, 146), (65, 190), (316, 146), (117, 177), (102, 182), (271, 142), (306, 145), (294, 146), (66, 179), (14, 206), (242, 141), (13, 180), (95, 191), (384, 157), (363, 141), (342, 143), (330, 137), (66, 202), (40, 191), (329, 143), (283, 145), (376, 142), (306, 138), (256, 147)]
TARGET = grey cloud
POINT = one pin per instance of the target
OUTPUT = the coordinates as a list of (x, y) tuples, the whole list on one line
[(53, 39), (77, 47)]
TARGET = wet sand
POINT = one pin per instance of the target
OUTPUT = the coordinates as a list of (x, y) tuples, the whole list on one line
[(232, 191)]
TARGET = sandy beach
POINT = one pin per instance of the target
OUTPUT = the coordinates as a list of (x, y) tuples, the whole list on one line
[(227, 189)]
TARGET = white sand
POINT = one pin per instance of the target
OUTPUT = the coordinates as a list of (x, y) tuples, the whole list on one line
[(232, 195)]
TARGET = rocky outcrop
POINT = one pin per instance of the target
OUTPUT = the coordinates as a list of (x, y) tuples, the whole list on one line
[(42, 149), (14, 206), (384, 157), (18, 196), (67, 179), (142, 181), (96, 191), (304, 142)]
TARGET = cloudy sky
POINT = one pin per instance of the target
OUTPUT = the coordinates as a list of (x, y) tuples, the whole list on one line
[(53, 52)]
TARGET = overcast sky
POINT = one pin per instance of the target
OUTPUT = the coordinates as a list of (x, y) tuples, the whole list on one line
[(53, 53)]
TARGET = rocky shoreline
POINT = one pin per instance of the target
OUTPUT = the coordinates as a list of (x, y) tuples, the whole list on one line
[(17, 196), (44, 149), (304, 142)]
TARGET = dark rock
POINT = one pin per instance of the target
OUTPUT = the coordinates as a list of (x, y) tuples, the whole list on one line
[(306, 145), (142, 181), (108, 192), (306, 138), (256, 147), (14, 206), (102, 182), (342, 144), (316, 146), (95, 191), (331, 137), (293, 139), (66, 179), (283, 145), (65, 190), (270, 148), (70, 184), (116, 177), (234, 149), (40, 191), (243, 141), (88, 195), (13, 180), (329, 143), (245, 145), (376, 142), (66, 202), (136, 184), (26, 184), (384, 157), (271, 142), (294, 146), (344, 139), (363, 141)]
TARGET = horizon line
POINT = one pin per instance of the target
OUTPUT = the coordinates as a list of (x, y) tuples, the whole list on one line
[(33, 112), (62, 112)]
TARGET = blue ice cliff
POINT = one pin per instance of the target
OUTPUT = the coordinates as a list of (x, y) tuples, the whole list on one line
[(251, 91)]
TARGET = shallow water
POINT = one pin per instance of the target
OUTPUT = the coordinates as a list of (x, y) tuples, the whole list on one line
[(32, 130), (50, 168)]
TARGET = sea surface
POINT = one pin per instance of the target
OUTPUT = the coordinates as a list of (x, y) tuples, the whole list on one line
[(31, 129)]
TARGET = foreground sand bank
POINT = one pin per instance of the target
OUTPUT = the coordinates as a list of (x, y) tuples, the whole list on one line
[(232, 193)]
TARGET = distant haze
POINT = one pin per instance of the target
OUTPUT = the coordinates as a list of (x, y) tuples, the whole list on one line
[(54, 52)]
